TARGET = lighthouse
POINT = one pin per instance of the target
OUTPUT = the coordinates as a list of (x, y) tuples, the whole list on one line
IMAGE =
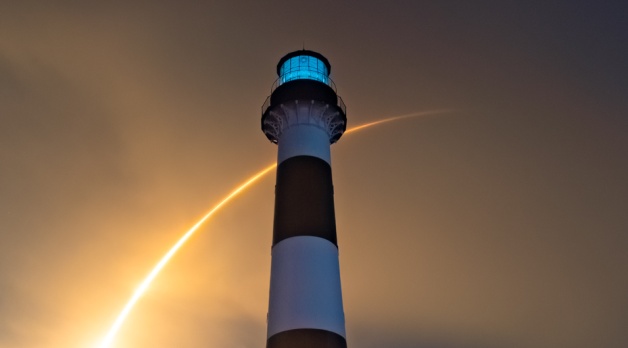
[(304, 115)]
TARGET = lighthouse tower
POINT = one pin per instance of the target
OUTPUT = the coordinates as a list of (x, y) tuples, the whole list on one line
[(304, 116)]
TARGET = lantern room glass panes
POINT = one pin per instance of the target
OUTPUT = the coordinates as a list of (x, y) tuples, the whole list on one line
[(303, 67)]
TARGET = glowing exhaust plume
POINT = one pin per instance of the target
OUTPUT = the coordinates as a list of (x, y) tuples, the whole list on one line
[(396, 118), (151, 276), (108, 340)]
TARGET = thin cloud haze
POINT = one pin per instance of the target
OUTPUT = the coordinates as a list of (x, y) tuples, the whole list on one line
[(501, 225)]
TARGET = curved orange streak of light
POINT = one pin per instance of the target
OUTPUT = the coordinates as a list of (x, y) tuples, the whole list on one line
[(109, 338)]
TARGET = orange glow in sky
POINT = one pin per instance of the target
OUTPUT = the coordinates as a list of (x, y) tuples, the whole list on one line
[(108, 340)]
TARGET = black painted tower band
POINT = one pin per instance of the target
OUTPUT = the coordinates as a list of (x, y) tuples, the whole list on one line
[(306, 338), (304, 200)]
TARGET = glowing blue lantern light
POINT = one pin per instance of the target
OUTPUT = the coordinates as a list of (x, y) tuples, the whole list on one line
[(303, 67)]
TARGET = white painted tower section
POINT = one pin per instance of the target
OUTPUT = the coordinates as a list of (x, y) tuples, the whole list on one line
[(305, 286)]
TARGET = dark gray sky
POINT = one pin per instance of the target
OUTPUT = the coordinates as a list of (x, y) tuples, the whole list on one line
[(500, 225)]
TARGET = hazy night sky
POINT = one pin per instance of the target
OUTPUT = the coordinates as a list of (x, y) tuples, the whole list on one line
[(504, 224)]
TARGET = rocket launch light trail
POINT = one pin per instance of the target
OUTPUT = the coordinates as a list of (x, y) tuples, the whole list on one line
[(396, 118), (107, 342)]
